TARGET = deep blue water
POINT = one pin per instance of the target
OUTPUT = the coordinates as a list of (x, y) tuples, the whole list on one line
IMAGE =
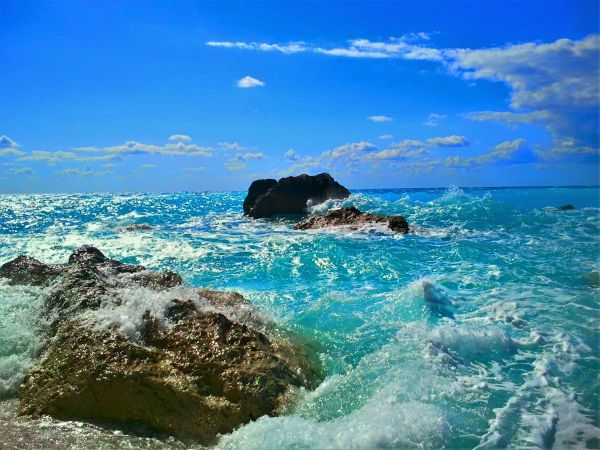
[(510, 359)]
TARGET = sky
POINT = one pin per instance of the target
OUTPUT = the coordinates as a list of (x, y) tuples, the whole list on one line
[(208, 96)]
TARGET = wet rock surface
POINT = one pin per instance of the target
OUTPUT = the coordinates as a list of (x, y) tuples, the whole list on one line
[(137, 227), (193, 372), (267, 198), (353, 217)]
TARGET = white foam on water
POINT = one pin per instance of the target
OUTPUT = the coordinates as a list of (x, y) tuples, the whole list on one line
[(19, 342), (382, 423), (126, 315)]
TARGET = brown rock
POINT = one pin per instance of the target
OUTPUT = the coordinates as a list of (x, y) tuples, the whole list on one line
[(353, 217)]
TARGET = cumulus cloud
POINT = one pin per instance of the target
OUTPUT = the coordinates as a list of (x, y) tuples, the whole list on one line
[(380, 118), (238, 162), (501, 152), (180, 137), (449, 141), (249, 82)]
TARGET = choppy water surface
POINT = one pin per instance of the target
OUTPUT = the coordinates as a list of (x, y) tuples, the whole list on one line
[(511, 359)]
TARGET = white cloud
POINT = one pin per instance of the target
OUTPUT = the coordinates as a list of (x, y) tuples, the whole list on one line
[(171, 149), (195, 169), (503, 151), (86, 172), (21, 171), (291, 47), (433, 119), (55, 157), (291, 155), (148, 166), (449, 141), (385, 137), (380, 118), (238, 162), (8, 147), (249, 82), (6, 142), (567, 147), (180, 137), (402, 47), (232, 146)]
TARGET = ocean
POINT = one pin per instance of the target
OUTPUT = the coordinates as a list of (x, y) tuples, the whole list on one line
[(507, 356)]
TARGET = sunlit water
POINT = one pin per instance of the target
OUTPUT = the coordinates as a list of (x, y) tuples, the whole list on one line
[(510, 361)]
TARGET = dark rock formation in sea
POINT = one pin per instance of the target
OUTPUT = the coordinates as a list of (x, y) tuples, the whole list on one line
[(137, 227), (353, 217), (256, 189), (200, 363), (567, 207), (267, 198)]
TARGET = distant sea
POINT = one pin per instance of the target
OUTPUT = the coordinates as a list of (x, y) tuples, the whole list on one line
[(508, 358)]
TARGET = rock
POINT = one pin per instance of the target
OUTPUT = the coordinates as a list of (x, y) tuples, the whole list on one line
[(353, 217), (290, 195), (26, 270), (157, 280), (567, 207), (256, 189), (398, 224), (192, 372), (137, 227)]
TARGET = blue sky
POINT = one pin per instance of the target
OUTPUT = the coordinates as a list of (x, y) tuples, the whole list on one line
[(169, 96)]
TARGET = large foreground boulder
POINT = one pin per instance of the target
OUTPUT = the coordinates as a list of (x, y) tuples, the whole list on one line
[(352, 217), (194, 364), (267, 198)]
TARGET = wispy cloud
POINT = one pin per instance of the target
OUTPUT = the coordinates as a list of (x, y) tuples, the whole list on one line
[(86, 172), (385, 137), (194, 169), (8, 147), (403, 47), (21, 171), (291, 47), (249, 82), (232, 146), (380, 118), (433, 119)]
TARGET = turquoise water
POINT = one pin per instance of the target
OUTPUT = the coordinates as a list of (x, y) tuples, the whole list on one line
[(508, 358)]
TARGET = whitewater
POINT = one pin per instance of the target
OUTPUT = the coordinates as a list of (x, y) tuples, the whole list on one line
[(506, 357)]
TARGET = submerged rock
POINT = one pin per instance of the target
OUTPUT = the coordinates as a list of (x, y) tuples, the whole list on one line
[(290, 195), (351, 216), (193, 372)]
